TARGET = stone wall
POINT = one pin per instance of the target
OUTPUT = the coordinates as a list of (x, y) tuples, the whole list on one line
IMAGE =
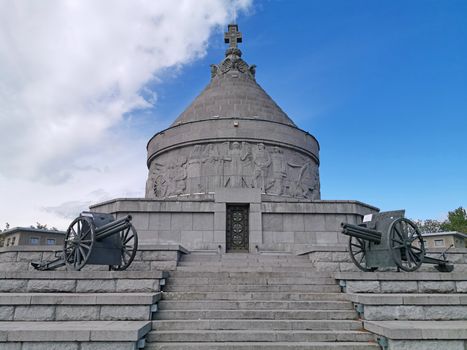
[(337, 258), (292, 226), (148, 258)]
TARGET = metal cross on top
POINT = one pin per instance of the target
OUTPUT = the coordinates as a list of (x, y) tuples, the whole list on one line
[(233, 36)]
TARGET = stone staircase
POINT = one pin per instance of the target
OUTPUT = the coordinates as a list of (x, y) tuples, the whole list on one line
[(254, 301), (77, 310)]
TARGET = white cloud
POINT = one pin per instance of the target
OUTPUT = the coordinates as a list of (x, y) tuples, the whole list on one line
[(69, 71)]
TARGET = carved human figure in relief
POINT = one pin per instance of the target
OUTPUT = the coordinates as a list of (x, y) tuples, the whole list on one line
[(193, 170), (261, 161), (279, 172), (234, 168), (212, 167), (247, 165), (301, 188), (180, 175)]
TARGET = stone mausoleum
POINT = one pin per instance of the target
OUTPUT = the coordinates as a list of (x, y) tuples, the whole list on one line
[(234, 173)]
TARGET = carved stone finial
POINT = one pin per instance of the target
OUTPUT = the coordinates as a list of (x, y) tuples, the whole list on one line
[(233, 60)]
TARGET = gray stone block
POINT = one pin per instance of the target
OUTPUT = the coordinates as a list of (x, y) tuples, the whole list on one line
[(333, 222), (8, 256), (158, 255), (203, 221), (125, 313), (13, 286), (34, 313), (426, 345), (191, 237), (139, 266), (77, 313), (182, 222), (293, 222), (437, 286), (51, 286), (341, 257), (95, 286), (159, 221), (6, 313), (314, 223), (410, 312), (140, 221), (140, 285), (14, 266), (399, 286), (108, 346), (172, 236), (163, 265), (29, 256), (326, 238), (363, 287), (446, 312), (10, 346), (461, 286), (320, 256), (326, 266), (50, 346), (304, 238)]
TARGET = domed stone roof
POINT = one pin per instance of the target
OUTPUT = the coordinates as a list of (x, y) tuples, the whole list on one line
[(233, 92)]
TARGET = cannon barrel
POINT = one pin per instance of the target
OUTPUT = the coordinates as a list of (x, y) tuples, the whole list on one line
[(113, 227), (362, 233)]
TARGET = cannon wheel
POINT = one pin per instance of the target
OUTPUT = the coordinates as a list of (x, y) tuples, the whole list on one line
[(79, 241), (357, 249), (129, 239), (406, 244)]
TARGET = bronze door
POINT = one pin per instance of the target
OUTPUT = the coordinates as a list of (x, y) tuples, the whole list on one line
[(237, 228)]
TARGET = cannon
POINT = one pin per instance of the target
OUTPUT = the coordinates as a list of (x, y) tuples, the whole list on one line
[(388, 239), (95, 238)]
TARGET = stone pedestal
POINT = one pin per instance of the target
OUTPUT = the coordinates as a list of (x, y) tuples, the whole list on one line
[(200, 224)]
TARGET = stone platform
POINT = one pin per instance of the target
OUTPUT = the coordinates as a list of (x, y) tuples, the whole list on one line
[(275, 224)]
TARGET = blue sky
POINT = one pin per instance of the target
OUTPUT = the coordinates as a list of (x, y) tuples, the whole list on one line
[(382, 85)]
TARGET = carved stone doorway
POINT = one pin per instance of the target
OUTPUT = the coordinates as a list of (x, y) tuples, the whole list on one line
[(237, 231)]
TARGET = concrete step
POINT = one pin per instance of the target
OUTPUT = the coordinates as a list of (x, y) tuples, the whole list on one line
[(255, 314), (230, 324), (77, 306), (251, 269), (240, 263), (195, 281), (307, 288), (244, 274), (82, 281), (243, 257), (97, 331), (253, 305), (257, 336), (79, 298), (251, 296), (264, 345)]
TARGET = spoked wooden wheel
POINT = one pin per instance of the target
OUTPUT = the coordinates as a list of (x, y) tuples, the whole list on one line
[(406, 244), (79, 241), (129, 246), (357, 249)]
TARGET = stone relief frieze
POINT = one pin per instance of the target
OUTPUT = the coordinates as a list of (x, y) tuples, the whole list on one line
[(204, 168)]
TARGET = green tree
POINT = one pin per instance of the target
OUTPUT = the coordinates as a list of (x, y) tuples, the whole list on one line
[(428, 226), (457, 221)]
